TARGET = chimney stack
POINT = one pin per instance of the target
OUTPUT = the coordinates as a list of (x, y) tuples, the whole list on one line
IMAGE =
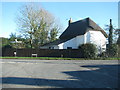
[(70, 21)]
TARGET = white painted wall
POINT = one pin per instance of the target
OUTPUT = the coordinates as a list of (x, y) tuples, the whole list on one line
[(61, 46), (99, 39), (95, 37), (70, 43), (44, 47), (75, 42), (55, 47)]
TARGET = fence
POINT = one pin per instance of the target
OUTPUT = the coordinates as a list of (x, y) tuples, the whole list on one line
[(69, 53)]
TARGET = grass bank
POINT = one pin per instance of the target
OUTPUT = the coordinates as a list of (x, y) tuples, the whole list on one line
[(58, 58)]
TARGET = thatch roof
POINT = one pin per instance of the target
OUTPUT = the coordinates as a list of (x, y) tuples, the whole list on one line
[(78, 28)]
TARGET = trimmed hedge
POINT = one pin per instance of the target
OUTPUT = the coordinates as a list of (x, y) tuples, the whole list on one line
[(66, 53)]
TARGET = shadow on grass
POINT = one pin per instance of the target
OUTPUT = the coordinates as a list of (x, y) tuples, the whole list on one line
[(96, 76)]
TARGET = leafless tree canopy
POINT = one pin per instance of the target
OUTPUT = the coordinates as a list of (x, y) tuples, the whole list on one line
[(37, 24)]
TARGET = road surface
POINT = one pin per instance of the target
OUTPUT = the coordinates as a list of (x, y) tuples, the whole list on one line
[(20, 73)]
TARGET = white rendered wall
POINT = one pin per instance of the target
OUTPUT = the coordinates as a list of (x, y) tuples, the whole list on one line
[(55, 47), (98, 38), (70, 43), (61, 46), (44, 47), (95, 37), (75, 42)]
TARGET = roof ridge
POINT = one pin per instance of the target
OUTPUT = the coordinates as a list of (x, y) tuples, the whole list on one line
[(80, 27), (80, 20)]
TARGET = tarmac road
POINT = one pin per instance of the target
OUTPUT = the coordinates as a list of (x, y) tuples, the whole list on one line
[(19, 73)]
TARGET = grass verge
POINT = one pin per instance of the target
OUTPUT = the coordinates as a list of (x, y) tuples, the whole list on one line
[(58, 58)]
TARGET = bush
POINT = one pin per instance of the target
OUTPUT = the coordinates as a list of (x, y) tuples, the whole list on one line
[(103, 54), (88, 50)]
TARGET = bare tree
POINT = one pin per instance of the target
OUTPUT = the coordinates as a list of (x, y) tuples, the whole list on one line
[(36, 24)]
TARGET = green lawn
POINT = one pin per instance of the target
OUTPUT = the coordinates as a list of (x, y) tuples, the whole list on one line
[(58, 58)]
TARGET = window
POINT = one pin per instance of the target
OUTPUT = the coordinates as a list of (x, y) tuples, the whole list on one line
[(69, 47), (51, 47)]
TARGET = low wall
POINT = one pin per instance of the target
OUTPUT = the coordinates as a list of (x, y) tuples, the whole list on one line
[(70, 53)]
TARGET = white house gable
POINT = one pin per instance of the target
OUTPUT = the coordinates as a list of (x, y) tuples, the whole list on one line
[(75, 42), (61, 46), (70, 43), (95, 37), (98, 38), (78, 33)]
